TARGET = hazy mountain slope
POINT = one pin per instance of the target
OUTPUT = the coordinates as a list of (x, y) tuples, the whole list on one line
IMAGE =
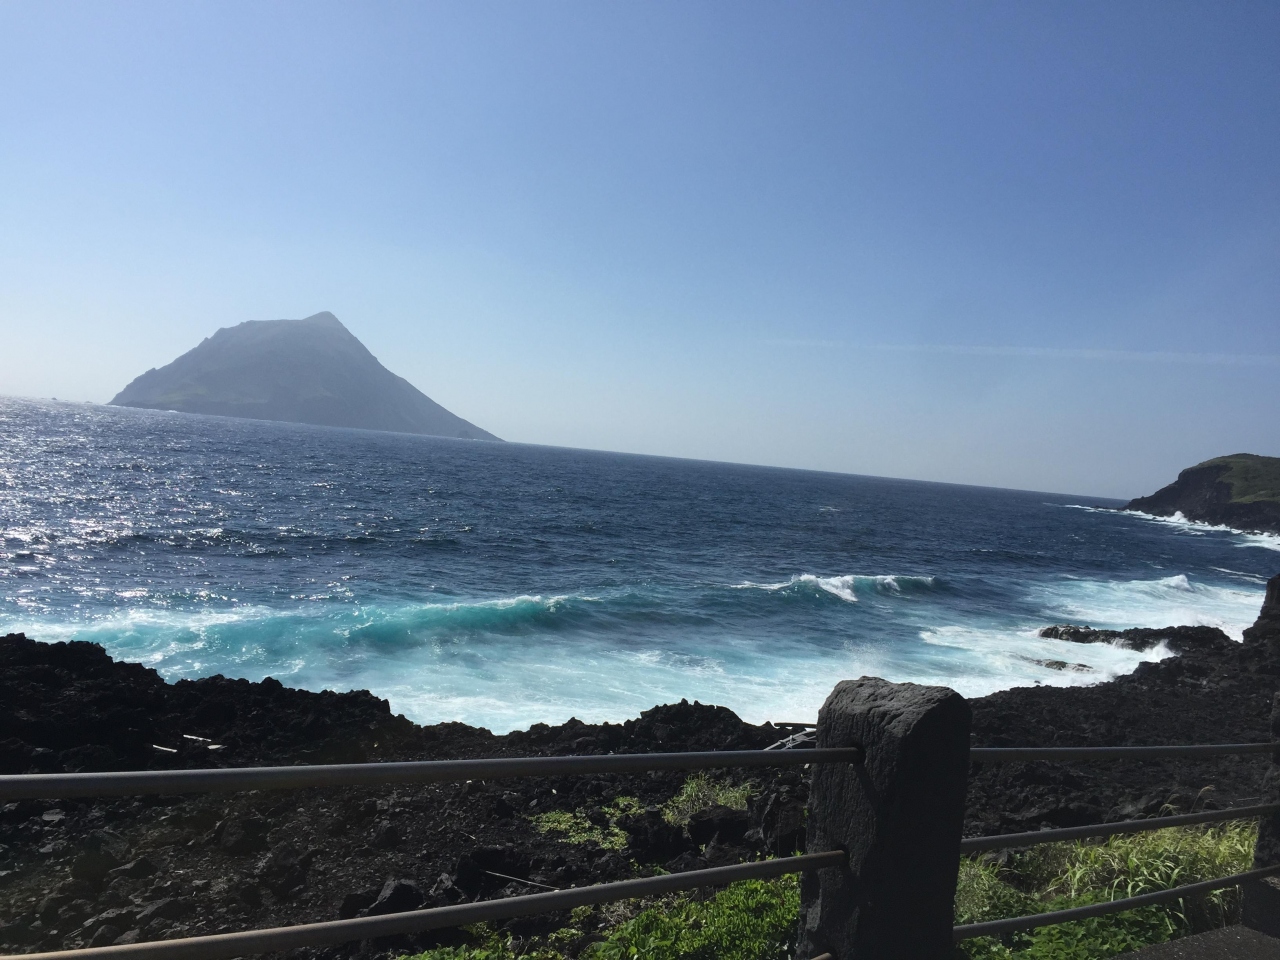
[(1241, 490), (301, 371)]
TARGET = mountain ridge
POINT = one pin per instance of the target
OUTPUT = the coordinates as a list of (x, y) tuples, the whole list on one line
[(312, 371)]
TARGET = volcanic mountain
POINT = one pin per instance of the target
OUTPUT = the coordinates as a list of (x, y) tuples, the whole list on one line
[(300, 371)]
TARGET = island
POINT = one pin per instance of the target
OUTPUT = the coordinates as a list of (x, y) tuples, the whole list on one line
[(299, 371), (1240, 491)]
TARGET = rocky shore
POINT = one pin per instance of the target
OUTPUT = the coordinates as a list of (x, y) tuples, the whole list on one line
[(1241, 491), (79, 873)]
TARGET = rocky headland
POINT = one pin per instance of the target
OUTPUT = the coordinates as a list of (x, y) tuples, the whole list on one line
[(299, 371), (93, 872), (1241, 491)]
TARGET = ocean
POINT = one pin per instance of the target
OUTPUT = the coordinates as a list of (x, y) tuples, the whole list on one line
[(507, 584)]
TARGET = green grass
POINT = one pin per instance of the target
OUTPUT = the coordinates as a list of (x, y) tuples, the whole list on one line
[(1058, 876), (1253, 478), (756, 920), (574, 827), (750, 920), (699, 793)]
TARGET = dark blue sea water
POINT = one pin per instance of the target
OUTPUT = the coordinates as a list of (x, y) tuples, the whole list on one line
[(503, 584)]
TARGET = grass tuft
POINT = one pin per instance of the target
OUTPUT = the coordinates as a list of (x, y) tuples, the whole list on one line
[(1062, 875), (574, 827), (699, 793)]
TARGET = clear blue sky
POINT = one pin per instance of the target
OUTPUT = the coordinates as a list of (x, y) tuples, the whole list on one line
[(1021, 244)]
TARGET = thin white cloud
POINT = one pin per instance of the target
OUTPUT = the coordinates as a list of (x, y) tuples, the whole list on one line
[(1050, 353)]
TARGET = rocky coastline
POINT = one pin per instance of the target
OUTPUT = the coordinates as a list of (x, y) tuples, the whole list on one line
[(1241, 491), (95, 872)]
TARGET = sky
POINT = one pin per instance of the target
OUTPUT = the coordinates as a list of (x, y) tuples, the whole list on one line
[(1003, 243)]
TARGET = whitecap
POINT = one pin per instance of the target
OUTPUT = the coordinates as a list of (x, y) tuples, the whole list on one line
[(844, 586), (982, 660), (1194, 528), (1167, 601)]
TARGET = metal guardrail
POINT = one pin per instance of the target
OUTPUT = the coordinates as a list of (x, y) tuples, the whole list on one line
[(1009, 754), (972, 845), (994, 928), (227, 945), (50, 786), (1005, 841), (222, 946)]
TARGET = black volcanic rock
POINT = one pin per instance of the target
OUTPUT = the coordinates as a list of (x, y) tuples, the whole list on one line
[(1240, 491), (300, 371), (226, 862), (1176, 639)]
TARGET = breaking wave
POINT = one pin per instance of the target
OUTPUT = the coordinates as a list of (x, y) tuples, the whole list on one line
[(846, 587), (1195, 528), (1168, 601)]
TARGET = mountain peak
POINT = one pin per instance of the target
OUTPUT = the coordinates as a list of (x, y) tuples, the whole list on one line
[(312, 370)]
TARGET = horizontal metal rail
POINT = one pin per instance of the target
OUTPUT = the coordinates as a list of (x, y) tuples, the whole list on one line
[(52, 786), (225, 945), (994, 928), (1006, 840), (1009, 754)]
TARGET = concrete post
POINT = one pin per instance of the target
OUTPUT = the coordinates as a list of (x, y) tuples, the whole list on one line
[(899, 815)]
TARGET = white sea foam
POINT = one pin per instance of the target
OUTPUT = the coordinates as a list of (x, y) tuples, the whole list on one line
[(1168, 601), (980, 661), (1267, 541), (1195, 528), (844, 586), (1240, 574), (508, 662)]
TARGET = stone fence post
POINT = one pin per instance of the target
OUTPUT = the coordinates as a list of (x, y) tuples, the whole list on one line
[(1261, 906), (899, 816)]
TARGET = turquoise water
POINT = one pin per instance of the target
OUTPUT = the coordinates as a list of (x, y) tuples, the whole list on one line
[(503, 584)]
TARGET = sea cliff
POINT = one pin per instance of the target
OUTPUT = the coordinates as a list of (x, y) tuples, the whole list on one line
[(1241, 491)]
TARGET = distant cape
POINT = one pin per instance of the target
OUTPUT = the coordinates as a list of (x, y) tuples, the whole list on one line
[(299, 371), (1241, 491)]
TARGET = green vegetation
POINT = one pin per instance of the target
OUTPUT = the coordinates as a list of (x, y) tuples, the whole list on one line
[(756, 920), (700, 793), (751, 920), (1059, 876), (575, 827), (1252, 478)]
